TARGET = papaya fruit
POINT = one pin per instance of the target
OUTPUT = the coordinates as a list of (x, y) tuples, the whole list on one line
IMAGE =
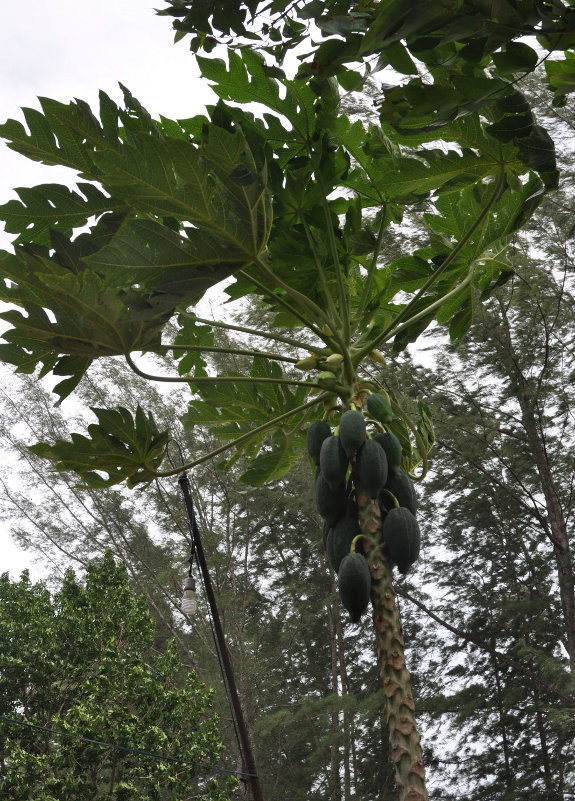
[(354, 584), (351, 432), (402, 537), (339, 540), (379, 407), (401, 486), (330, 503), (333, 461), (371, 468), (392, 447), (316, 433)]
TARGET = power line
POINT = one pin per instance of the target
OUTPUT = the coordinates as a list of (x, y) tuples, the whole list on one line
[(137, 751)]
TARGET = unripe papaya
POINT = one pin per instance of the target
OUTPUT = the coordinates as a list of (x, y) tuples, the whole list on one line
[(379, 407), (330, 503), (401, 535), (351, 432), (401, 486), (392, 447), (339, 540), (333, 461), (316, 433), (354, 584), (371, 466)]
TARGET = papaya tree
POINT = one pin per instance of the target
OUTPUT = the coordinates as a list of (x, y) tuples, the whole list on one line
[(290, 202)]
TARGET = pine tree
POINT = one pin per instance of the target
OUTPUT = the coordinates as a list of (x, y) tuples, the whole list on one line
[(498, 539)]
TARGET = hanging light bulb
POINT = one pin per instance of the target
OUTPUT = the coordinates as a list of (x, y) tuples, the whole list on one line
[(189, 600)]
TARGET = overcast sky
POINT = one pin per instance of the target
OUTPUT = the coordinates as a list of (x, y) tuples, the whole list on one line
[(73, 48), (65, 49)]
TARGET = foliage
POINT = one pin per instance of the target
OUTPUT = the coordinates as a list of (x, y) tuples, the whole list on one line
[(498, 527), (294, 200), (278, 604), (78, 666)]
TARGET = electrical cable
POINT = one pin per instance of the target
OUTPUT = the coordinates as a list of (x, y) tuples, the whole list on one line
[(193, 556), (137, 751), (233, 717)]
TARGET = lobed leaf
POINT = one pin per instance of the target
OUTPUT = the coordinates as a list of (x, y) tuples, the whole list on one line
[(124, 446)]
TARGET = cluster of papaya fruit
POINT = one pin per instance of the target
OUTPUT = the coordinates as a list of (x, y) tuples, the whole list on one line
[(356, 458)]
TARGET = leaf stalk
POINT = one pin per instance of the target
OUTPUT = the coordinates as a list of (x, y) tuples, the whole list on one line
[(244, 437)]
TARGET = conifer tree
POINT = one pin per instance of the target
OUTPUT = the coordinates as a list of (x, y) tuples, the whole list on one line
[(498, 507)]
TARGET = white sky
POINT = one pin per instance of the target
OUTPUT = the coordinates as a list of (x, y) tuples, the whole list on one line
[(65, 49), (73, 48)]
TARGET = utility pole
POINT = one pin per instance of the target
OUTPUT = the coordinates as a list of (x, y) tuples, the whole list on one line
[(250, 764)]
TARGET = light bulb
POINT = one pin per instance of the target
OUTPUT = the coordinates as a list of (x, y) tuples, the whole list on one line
[(189, 600)]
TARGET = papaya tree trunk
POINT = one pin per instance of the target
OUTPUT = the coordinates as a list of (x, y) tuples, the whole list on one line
[(399, 705)]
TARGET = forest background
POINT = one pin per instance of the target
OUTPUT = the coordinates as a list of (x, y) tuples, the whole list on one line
[(488, 570)]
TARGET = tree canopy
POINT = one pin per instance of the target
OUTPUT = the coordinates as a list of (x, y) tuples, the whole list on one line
[(87, 707)]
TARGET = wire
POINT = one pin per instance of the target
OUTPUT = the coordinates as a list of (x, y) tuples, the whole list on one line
[(193, 529), (129, 750)]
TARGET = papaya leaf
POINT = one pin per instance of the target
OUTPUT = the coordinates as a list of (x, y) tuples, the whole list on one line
[(125, 447), (233, 408), (246, 79), (178, 265), (87, 320), (461, 322), (176, 178), (111, 289), (378, 177), (461, 298), (273, 462), (53, 206), (516, 57), (561, 76), (192, 333), (67, 134)]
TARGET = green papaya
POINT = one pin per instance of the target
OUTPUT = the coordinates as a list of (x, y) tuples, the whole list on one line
[(379, 407), (371, 468), (330, 503), (316, 433), (333, 461), (402, 537), (392, 447), (354, 584), (351, 432), (339, 540), (401, 486)]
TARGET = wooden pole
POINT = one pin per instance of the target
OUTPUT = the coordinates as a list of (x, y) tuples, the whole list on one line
[(250, 764)]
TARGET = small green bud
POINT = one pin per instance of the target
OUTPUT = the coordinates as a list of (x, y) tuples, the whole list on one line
[(309, 363), (334, 360), (327, 380)]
